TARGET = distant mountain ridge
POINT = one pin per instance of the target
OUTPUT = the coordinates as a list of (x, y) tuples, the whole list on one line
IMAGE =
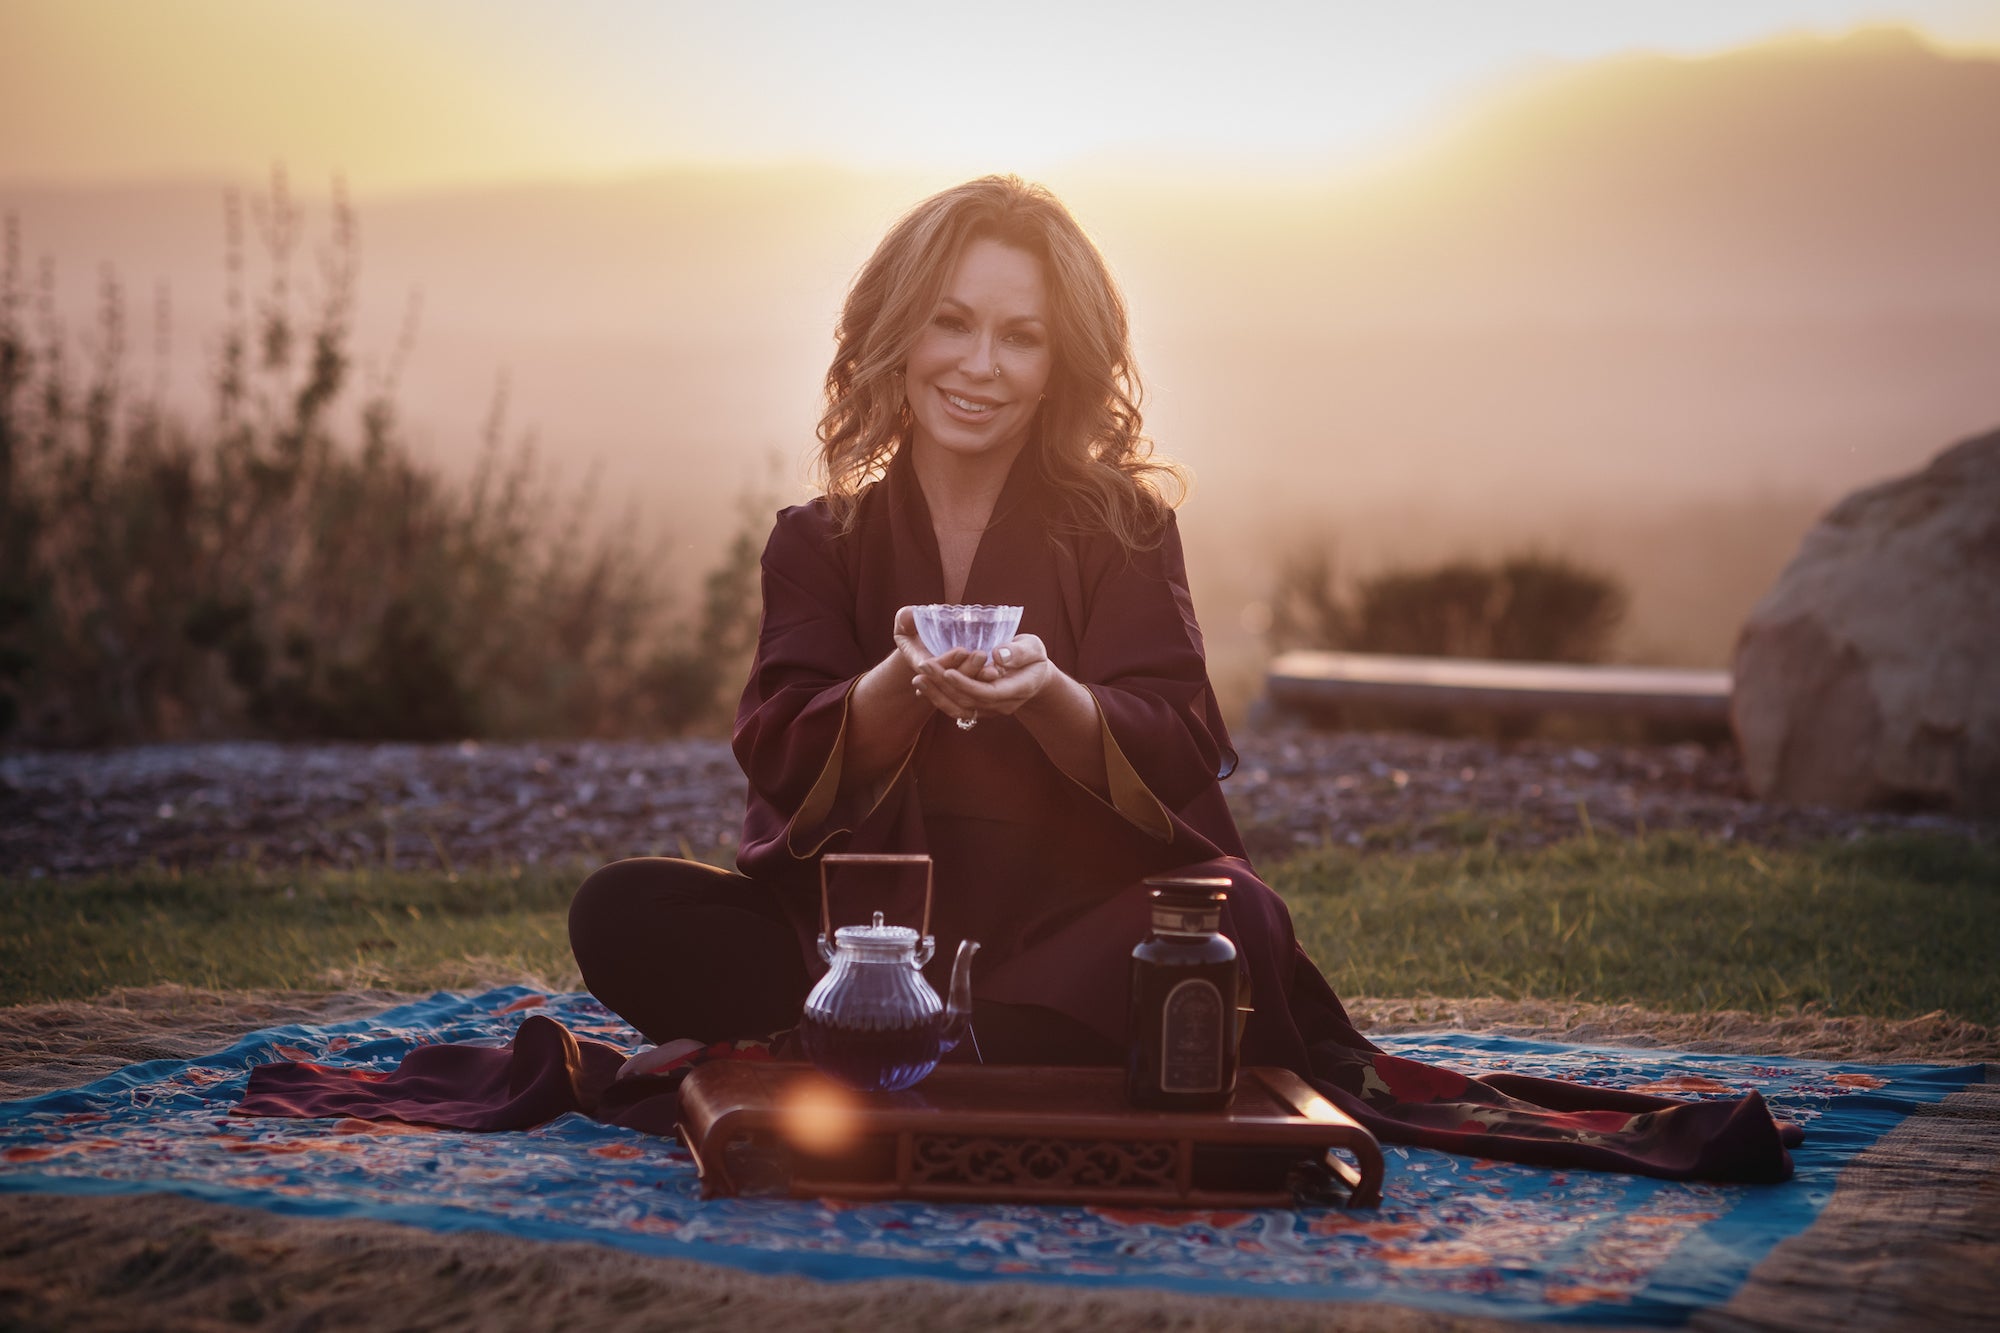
[(1803, 177), (1803, 155)]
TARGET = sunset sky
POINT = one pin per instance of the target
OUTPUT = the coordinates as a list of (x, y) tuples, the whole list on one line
[(409, 93), (1647, 281)]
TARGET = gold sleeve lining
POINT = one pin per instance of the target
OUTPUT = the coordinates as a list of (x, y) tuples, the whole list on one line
[(819, 801), (1130, 795)]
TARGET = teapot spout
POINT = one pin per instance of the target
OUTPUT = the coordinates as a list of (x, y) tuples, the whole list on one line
[(958, 1007)]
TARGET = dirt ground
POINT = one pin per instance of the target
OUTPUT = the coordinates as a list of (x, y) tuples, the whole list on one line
[(162, 1262)]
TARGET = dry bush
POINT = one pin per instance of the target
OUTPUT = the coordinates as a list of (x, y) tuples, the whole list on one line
[(268, 571), (1527, 607)]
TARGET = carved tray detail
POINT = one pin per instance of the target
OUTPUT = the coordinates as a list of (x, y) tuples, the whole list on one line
[(1066, 1164)]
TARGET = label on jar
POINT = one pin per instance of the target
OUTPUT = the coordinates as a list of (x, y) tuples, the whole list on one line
[(1186, 920), (1191, 1042)]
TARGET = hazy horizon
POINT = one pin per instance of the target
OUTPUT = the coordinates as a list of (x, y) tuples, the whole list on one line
[(1654, 311)]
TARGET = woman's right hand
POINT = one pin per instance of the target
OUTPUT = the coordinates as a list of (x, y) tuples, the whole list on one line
[(911, 646)]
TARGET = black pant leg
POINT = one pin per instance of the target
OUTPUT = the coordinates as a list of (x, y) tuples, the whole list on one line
[(681, 949)]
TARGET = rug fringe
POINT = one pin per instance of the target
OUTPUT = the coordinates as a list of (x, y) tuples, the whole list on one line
[(1908, 1241)]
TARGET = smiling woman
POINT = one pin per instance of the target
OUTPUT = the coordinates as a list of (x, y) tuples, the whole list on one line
[(982, 443)]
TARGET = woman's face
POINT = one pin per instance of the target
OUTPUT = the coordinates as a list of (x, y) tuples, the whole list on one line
[(978, 369)]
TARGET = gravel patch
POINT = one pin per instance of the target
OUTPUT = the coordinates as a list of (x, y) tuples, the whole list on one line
[(71, 813)]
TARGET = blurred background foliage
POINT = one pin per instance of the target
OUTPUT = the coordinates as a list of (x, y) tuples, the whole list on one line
[(1531, 606), (288, 566), (1527, 607)]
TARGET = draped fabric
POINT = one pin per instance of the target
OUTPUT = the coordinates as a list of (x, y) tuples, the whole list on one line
[(544, 1072), (1043, 870)]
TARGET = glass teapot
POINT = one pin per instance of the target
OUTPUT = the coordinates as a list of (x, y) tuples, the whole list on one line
[(873, 1022)]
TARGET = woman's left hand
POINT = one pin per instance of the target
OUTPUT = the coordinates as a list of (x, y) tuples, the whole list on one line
[(1014, 675)]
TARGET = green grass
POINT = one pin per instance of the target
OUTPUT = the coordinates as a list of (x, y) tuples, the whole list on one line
[(241, 927), (1890, 927)]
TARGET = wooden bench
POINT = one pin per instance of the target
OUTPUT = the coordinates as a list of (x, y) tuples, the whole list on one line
[(1320, 682)]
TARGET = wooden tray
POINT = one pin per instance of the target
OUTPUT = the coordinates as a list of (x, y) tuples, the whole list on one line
[(1021, 1134)]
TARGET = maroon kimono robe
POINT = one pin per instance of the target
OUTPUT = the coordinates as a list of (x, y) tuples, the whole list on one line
[(1040, 869), (1046, 872)]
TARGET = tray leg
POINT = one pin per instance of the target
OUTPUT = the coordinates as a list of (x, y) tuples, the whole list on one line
[(1363, 1181), (715, 1182)]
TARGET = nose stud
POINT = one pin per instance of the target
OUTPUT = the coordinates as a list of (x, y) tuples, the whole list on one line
[(996, 370)]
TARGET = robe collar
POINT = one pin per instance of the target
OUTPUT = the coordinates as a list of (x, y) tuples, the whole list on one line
[(920, 566)]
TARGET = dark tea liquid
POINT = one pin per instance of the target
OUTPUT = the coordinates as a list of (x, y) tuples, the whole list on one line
[(870, 1059)]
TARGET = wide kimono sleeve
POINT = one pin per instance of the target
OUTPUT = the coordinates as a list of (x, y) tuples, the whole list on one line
[(791, 723), (1141, 656)]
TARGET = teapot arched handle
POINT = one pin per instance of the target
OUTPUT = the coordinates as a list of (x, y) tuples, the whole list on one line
[(869, 859)]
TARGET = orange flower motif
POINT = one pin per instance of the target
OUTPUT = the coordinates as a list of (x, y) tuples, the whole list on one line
[(1442, 1255), (622, 1151), (1380, 1232)]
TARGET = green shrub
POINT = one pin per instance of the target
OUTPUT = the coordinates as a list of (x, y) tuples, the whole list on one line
[(1527, 607), (268, 571)]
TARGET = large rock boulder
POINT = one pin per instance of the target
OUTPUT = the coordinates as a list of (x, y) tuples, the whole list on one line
[(1869, 676)]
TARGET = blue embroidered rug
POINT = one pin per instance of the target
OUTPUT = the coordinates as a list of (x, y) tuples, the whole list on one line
[(1455, 1235)]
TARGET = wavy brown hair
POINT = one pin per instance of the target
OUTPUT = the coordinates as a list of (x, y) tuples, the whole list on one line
[(1086, 438)]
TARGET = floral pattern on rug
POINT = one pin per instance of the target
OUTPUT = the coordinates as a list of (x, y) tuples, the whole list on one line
[(1453, 1234)]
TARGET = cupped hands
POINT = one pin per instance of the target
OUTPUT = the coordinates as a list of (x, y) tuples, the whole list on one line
[(964, 684)]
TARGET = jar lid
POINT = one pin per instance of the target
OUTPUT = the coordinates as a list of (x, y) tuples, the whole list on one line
[(1191, 890)]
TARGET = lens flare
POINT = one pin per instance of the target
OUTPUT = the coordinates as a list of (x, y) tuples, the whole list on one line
[(819, 1117)]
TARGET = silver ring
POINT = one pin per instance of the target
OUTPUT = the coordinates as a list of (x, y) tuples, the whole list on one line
[(967, 723)]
